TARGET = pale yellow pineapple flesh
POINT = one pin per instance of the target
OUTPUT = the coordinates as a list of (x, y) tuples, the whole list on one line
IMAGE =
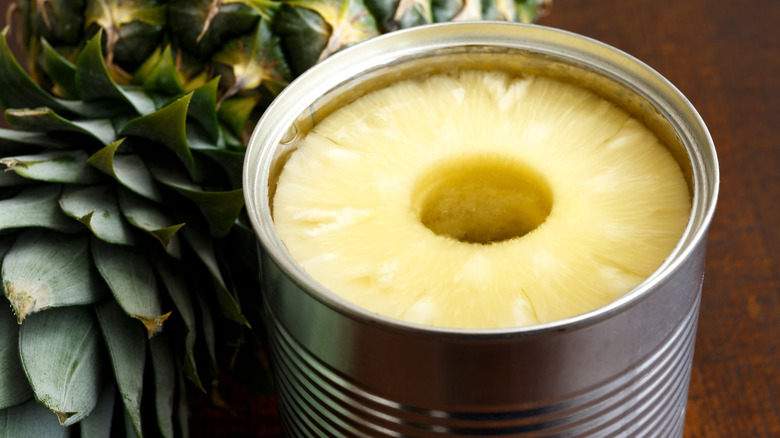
[(479, 200)]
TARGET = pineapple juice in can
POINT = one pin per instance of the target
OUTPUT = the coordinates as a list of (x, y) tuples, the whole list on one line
[(620, 370)]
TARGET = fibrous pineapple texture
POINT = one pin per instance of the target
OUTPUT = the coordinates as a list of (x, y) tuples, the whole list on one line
[(478, 200), (127, 264)]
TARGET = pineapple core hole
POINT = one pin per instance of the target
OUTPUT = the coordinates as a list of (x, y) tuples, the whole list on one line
[(482, 199)]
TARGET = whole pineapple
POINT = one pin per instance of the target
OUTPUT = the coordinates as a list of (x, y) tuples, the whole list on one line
[(125, 255)]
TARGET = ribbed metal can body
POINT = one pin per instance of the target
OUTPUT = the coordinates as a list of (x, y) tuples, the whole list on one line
[(625, 376), (619, 371)]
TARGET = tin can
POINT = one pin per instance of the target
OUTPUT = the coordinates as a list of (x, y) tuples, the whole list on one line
[(621, 370)]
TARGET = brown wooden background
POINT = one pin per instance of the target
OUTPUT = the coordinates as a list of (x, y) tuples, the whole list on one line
[(724, 55)]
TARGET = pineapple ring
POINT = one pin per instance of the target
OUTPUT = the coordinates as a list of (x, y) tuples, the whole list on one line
[(602, 202)]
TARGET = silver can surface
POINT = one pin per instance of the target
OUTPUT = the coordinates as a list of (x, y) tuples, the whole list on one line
[(621, 370)]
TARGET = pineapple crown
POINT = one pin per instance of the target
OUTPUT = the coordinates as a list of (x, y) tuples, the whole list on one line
[(126, 258), (119, 212)]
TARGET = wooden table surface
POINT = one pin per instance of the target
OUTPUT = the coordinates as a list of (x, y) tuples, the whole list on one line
[(725, 57)]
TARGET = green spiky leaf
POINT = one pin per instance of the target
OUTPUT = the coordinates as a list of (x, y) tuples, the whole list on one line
[(60, 351), (231, 161), (129, 429), (164, 385), (30, 420), (45, 119), (126, 342), (15, 390), (146, 216), (20, 142), (6, 241), (131, 280), (220, 208), (97, 208), (99, 422), (11, 179), (182, 413), (203, 108), (20, 91), (208, 335), (95, 83), (47, 269), (243, 257), (235, 112), (204, 249), (163, 76), (129, 170), (68, 167), (181, 296), (167, 126), (60, 69), (36, 206)]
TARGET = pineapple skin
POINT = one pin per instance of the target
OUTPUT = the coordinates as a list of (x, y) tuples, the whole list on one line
[(128, 138), (255, 47), (619, 201)]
